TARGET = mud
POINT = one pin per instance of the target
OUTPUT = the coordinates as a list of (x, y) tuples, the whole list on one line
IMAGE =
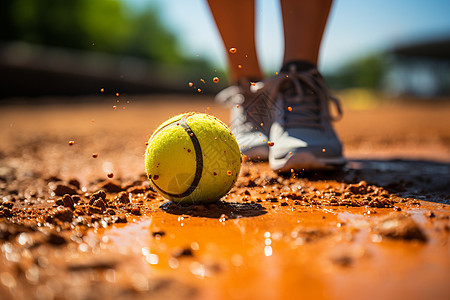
[(78, 219)]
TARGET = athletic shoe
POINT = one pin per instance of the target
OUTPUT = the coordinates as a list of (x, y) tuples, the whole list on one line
[(251, 117), (302, 135)]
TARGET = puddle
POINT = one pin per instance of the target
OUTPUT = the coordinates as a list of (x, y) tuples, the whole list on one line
[(318, 253)]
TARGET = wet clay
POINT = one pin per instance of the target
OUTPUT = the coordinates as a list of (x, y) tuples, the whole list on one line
[(378, 229)]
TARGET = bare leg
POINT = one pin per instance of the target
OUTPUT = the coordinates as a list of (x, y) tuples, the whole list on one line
[(235, 20), (304, 23)]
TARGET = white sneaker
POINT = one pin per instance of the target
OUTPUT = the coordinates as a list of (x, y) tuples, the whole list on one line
[(251, 117), (302, 135)]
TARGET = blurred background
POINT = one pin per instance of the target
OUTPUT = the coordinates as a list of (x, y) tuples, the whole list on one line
[(79, 47)]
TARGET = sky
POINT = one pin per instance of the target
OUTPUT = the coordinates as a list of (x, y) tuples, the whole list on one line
[(355, 28)]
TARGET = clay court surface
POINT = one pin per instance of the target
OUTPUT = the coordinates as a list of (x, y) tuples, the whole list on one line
[(378, 229)]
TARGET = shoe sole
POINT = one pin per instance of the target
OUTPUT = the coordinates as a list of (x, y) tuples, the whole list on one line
[(306, 161)]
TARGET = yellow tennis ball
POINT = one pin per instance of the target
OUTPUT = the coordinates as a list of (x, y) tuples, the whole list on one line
[(193, 157)]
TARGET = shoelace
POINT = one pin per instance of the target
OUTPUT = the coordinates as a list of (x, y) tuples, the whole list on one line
[(304, 99), (254, 111)]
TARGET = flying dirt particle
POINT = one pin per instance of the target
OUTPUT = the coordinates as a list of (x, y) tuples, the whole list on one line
[(262, 124), (188, 150), (117, 94), (110, 175), (229, 173), (214, 173), (289, 108), (216, 79), (323, 150), (276, 73), (270, 143), (237, 106), (208, 108), (290, 153), (240, 66), (155, 177), (252, 83), (114, 107), (202, 80), (190, 84), (102, 90), (94, 155), (199, 90), (232, 50), (146, 143), (71, 143)]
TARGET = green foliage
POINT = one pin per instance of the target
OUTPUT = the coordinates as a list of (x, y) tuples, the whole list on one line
[(366, 72), (97, 25)]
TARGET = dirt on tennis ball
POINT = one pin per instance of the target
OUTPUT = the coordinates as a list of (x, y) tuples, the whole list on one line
[(193, 158)]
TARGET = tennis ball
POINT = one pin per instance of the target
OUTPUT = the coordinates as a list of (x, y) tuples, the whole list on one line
[(192, 157)]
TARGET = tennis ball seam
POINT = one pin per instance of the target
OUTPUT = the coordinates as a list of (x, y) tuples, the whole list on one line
[(198, 156)]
